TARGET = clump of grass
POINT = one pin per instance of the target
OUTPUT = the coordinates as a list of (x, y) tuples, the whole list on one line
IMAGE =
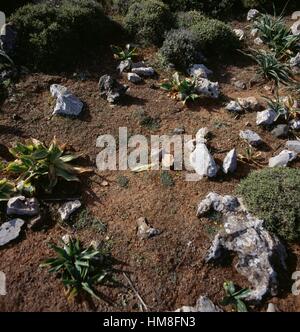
[(79, 268), (123, 181), (146, 120), (86, 220), (166, 179)]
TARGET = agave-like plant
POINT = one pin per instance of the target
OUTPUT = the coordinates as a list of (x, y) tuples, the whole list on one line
[(79, 268), (6, 189), (270, 68), (283, 107), (128, 53), (273, 31), (234, 297), (181, 89), (37, 163)]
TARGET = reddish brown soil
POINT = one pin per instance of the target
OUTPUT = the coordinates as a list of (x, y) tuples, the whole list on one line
[(166, 272)]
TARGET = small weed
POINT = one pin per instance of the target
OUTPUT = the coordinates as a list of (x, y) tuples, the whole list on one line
[(146, 120), (166, 179), (86, 220), (233, 297), (123, 181)]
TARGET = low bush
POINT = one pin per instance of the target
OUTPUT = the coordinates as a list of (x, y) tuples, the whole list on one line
[(55, 37), (187, 19), (179, 48), (214, 37), (147, 21), (272, 194)]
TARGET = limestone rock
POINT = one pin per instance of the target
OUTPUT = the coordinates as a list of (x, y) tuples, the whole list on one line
[(265, 118), (144, 71), (203, 304), (22, 206), (66, 103), (10, 230), (280, 130), (239, 33), (125, 65), (202, 161), (282, 159), (258, 41), (251, 137), (68, 208), (293, 145), (230, 162), (134, 78), (295, 28), (252, 14), (144, 231), (234, 107), (249, 103), (111, 89), (295, 124), (199, 70), (207, 88)]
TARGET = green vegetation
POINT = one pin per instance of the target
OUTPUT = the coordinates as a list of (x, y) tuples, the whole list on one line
[(123, 181), (284, 108), (51, 37), (272, 195), (6, 189), (38, 165), (234, 297), (128, 53), (79, 268), (179, 48), (147, 20), (181, 89), (185, 20), (85, 219), (166, 179)]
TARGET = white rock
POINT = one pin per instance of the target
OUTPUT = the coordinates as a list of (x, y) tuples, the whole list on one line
[(134, 78), (251, 137), (202, 161), (272, 308), (22, 206), (10, 230), (234, 107), (203, 304), (144, 231), (293, 145), (201, 134), (199, 70), (295, 15), (282, 159), (66, 239), (144, 71), (191, 145), (249, 103), (295, 124), (68, 208), (254, 32), (252, 13), (66, 102), (258, 41), (230, 162), (295, 28), (266, 117), (239, 33), (2, 284), (295, 63), (207, 88), (125, 65)]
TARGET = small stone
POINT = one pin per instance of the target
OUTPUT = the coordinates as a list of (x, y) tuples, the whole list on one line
[(10, 230), (251, 137), (111, 89), (144, 71), (202, 161), (254, 32), (66, 103), (295, 63), (240, 85), (252, 14), (295, 28), (68, 208), (239, 33), (22, 206), (199, 70), (2, 284), (207, 88), (295, 15), (265, 118), (258, 41), (145, 231), (282, 159), (249, 103), (104, 184), (295, 124), (178, 131), (66, 239), (280, 130), (203, 304), (293, 145), (230, 162), (272, 308), (234, 107), (125, 65), (140, 64), (134, 78)]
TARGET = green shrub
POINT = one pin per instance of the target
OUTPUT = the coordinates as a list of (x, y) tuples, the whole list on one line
[(53, 37), (147, 21), (215, 8), (269, 5), (214, 37), (121, 6), (185, 20), (9, 6), (179, 48), (272, 194)]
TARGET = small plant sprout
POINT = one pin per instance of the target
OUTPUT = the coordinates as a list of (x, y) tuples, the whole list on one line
[(181, 89), (251, 157), (79, 268), (38, 164), (128, 53), (6, 189), (234, 297)]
